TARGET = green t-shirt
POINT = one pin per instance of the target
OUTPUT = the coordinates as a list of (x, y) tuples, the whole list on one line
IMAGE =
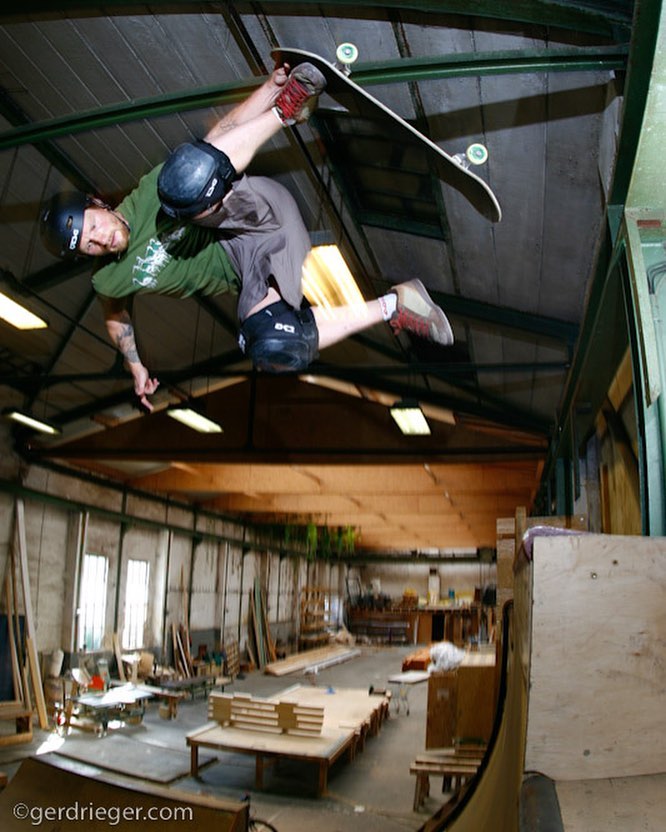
[(164, 256)]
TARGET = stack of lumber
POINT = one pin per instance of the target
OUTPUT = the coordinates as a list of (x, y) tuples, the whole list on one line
[(26, 675), (275, 717), (182, 657), (260, 645), (310, 661)]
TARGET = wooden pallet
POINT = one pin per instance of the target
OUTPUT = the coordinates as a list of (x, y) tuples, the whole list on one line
[(276, 717)]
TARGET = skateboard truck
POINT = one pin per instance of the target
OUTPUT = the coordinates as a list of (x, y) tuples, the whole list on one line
[(476, 154)]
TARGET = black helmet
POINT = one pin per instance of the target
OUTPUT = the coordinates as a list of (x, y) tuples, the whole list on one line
[(194, 177), (61, 223)]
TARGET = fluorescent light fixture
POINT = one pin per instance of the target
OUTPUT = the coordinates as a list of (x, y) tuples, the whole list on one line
[(410, 419), (328, 282), (191, 418), (18, 315), (30, 422)]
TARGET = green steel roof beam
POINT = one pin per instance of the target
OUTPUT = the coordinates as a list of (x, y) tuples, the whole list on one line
[(398, 71), (637, 87), (510, 62), (601, 18), (503, 316)]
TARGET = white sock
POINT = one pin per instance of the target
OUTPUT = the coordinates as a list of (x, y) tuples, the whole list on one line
[(388, 304)]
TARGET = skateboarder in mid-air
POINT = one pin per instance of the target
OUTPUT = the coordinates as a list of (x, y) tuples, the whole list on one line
[(220, 230)]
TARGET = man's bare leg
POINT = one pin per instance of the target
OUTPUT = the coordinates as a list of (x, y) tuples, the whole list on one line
[(407, 307), (338, 323)]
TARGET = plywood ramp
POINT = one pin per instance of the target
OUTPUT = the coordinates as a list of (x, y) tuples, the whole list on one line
[(75, 802), (582, 694), (490, 801), (597, 703)]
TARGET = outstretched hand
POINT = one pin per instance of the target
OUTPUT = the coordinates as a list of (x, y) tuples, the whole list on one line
[(144, 385)]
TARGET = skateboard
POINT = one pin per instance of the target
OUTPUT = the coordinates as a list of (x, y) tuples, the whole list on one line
[(454, 170)]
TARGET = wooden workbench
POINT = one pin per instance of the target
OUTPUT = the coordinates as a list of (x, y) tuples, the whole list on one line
[(192, 685), (349, 716), (169, 697)]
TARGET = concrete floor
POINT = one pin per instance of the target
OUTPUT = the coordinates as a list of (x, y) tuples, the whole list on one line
[(373, 793)]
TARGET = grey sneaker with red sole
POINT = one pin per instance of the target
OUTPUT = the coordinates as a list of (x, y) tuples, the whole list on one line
[(417, 312), (298, 97)]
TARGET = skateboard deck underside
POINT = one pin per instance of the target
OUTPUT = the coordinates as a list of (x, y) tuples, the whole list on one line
[(355, 99)]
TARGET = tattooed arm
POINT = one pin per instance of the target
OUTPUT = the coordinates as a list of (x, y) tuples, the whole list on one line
[(121, 332)]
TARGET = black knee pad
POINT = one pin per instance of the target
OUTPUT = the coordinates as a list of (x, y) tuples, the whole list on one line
[(279, 339)]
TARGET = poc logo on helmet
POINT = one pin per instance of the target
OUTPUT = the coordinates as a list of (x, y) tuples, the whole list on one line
[(285, 328), (211, 189), (74, 242)]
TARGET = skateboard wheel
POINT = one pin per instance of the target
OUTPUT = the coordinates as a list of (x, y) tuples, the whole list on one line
[(477, 153), (346, 53)]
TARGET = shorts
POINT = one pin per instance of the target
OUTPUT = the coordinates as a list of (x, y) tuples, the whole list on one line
[(279, 339), (265, 237)]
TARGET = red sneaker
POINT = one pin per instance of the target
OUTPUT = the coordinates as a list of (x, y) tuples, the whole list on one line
[(298, 97), (416, 312)]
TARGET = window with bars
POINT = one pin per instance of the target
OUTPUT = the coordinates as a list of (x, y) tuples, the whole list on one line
[(136, 603), (92, 602)]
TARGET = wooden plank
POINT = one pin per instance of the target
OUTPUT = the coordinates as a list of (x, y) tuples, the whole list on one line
[(308, 658), (17, 631), (31, 647), (443, 767), (598, 670), (17, 682), (119, 658)]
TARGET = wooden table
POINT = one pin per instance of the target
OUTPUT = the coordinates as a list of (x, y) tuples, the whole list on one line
[(349, 716), (192, 685), (170, 697)]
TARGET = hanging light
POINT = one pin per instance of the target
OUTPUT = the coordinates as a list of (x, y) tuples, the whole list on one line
[(409, 417), (18, 315), (192, 418), (29, 421)]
